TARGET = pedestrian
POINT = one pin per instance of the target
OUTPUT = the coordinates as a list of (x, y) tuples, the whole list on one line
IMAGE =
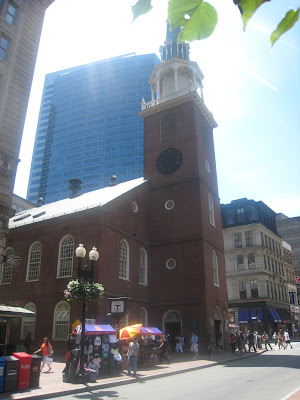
[(281, 340), (250, 338), (258, 341), (266, 340), (275, 337), (178, 344), (238, 341), (47, 352), (287, 339), (133, 351), (27, 342), (194, 345), (164, 348), (243, 339), (232, 342), (209, 347)]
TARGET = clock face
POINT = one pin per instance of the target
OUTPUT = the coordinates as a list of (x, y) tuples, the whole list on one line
[(169, 161)]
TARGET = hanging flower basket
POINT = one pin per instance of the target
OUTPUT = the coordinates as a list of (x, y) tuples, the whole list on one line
[(79, 291)]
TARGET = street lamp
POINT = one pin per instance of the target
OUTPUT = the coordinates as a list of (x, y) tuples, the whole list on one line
[(85, 275)]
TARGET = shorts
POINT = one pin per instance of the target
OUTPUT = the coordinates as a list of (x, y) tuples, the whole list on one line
[(194, 347)]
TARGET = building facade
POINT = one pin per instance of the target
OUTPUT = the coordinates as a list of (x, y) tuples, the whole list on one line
[(159, 237), (289, 230), (259, 271), (20, 29), (89, 128)]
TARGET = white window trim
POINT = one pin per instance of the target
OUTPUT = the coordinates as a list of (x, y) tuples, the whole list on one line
[(22, 328), (54, 322), (127, 261), (146, 316), (215, 268), (211, 210), (145, 283), (58, 261), (28, 262)]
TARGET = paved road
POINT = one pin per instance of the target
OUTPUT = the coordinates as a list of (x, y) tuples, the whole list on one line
[(273, 375)]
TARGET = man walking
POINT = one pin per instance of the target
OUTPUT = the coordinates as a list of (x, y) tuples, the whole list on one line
[(287, 339), (194, 345), (250, 338), (266, 340), (132, 354)]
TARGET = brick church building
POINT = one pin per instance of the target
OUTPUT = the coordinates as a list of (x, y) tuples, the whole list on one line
[(159, 237)]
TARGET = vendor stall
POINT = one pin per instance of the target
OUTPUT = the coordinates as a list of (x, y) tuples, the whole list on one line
[(147, 339), (101, 349)]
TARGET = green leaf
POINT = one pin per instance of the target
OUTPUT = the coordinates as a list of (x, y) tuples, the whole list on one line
[(247, 8), (291, 17), (140, 8), (200, 23)]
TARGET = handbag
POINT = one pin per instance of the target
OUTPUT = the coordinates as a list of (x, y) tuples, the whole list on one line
[(51, 351)]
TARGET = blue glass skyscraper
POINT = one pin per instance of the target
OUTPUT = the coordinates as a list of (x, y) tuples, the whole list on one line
[(89, 128)]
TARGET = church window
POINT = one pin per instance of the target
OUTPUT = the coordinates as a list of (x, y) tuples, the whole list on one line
[(143, 316), (124, 260), (34, 262), (169, 204), (65, 260), (7, 266), (171, 263), (211, 210), (134, 207), (215, 268), (61, 321), (28, 323), (143, 267)]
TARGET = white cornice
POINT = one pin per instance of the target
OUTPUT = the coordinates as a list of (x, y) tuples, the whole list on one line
[(193, 96)]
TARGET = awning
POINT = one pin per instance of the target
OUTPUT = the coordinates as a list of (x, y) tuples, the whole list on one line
[(243, 315), (150, 331), (13, 312), (257, 313), (274, 316), (99, 329)]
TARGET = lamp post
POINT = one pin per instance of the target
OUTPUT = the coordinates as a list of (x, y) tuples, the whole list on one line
[(85, 275)]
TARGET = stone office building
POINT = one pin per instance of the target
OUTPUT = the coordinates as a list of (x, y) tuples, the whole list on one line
[(259, 269), (159, 237), (20, 29)]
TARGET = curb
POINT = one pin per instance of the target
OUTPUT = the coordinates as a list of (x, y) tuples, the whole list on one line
[(122, 382)]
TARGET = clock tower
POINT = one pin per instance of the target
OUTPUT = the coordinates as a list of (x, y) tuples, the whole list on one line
[(187, 257)]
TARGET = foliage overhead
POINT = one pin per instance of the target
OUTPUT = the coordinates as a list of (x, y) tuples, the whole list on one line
[(198, 19), (79, 291)]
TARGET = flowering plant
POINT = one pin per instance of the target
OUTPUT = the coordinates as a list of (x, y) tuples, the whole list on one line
[(79, 291)]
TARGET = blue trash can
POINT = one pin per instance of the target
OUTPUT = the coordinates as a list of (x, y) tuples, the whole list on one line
[(2, 374)]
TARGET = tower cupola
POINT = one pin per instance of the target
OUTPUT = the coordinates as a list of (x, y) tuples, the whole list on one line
[(176, 75)]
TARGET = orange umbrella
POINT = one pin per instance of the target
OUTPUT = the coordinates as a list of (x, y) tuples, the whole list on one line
[(130, 331)]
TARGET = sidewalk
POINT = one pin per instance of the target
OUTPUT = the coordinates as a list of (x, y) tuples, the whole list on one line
[(51, 384)]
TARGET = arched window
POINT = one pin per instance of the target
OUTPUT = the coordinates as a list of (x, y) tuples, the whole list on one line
[(143, 267), (7, 266), (28, 323), (215, 268), (143, 316), (61, 321), (211, 210), (65, 259), (124, 260), (34, 262)]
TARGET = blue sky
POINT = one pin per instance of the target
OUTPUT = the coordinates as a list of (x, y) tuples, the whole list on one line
[(252, 90)]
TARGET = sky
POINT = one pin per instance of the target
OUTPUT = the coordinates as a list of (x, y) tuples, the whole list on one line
[(252, 90)]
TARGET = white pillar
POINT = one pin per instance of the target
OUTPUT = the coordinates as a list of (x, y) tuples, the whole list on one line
[(176, 80), (152, 94), (158, 89)]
